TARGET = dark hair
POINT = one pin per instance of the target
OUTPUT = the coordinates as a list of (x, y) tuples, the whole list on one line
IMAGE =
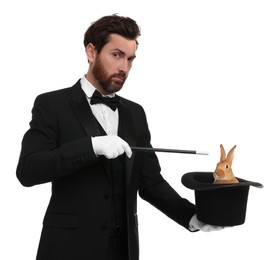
[(99, 31)]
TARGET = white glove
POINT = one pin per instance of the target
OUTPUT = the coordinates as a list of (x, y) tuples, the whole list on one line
[(196, 224), (111, 146)]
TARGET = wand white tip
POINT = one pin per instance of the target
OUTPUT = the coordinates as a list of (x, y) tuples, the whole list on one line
[(202, 152)]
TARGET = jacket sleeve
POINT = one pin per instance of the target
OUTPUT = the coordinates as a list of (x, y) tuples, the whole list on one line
[(157, 191), (42, 159)]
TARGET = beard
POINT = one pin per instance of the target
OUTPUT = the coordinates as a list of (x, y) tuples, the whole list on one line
[(110, 83)]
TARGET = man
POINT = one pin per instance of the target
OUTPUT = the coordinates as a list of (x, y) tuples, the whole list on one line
[(83, 146)]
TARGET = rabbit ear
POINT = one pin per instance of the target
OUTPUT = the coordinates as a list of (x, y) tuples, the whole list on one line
[(230, 154), (223, 153)]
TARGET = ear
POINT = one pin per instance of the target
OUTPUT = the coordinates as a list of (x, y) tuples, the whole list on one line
[(91, 52), (223, 153), (231, 154)]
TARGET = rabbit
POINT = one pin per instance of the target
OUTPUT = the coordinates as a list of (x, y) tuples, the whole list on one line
[(223, 172)]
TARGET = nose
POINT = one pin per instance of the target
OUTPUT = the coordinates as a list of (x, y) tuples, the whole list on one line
[(125, 66)]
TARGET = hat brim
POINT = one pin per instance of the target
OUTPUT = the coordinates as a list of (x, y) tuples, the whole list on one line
[(204, 181)]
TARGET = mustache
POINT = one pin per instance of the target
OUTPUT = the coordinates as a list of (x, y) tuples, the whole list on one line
[(121, 75)]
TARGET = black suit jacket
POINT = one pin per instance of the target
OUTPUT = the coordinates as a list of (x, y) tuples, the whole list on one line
[(57, 148)]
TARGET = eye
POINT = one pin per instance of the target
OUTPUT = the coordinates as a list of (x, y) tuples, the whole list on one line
[(116, 55), (226, 166), (131, 59)]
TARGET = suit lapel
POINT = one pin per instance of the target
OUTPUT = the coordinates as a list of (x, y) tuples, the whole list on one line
[(83, 112), (126, 122)]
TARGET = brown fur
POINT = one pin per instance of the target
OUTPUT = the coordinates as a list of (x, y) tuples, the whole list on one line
[(223, 172)]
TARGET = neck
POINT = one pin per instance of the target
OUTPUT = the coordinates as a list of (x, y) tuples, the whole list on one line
[(95, 83)]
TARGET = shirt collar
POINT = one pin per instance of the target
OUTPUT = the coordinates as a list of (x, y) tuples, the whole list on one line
[(88, 88)]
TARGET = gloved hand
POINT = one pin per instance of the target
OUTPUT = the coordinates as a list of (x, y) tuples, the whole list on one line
[(111, 146), (196, 224)]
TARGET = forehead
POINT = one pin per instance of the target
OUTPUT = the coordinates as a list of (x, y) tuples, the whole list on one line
[(117, 42)]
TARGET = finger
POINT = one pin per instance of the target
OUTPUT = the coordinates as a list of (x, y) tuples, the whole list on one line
[(119, 151), (111, 154), (108, 155), (209, 228), (127, 149), (128, 152)]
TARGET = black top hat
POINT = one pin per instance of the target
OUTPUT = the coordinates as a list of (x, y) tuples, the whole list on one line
[(219, 204)]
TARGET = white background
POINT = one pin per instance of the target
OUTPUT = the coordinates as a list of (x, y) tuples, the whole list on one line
[(207, 72)]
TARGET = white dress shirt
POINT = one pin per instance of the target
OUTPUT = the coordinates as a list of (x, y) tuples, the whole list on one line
[(107, 118)]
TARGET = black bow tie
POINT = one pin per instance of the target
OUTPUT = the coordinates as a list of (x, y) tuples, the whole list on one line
[(98, 98)]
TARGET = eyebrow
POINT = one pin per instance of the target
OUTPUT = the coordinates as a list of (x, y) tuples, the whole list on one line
[(123, 53)]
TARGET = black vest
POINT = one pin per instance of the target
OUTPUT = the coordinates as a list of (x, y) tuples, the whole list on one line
[(118, 191)]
